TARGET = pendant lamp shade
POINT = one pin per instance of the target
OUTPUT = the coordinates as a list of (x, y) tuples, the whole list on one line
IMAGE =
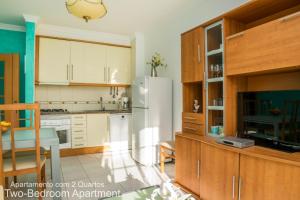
[(86, 9)]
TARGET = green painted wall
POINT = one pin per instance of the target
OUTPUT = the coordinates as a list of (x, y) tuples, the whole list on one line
[(29, 62), (14, 42)]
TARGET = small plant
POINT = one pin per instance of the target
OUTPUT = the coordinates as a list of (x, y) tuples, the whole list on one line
[(156, 61)]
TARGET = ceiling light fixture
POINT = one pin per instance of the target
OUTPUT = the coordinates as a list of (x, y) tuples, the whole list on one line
[(86, 9)]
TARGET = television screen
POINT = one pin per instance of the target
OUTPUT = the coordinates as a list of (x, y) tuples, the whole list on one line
[(271, 118)]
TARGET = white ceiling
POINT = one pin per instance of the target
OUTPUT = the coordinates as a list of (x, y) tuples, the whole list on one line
[(124, 16)]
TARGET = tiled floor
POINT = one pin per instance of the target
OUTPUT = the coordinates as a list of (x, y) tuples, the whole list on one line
[(108, 172)]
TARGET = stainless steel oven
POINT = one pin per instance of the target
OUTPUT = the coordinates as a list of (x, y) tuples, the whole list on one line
[(62, 126)]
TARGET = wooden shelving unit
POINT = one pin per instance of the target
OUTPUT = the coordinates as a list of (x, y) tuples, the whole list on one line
[(214, 79)]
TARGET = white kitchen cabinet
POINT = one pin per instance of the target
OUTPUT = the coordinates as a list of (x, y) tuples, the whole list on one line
[(54, 60), (118, 65), (77, 59), (97, 129), (63, 62), (79, 135), (88, 62)]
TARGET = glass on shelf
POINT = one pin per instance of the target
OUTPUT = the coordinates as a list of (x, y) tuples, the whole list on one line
[(216, 70)]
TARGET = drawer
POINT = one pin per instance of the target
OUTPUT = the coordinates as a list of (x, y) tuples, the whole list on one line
[(78, 144), (78, 131), (192, 128), (195, 118), (79, 117), (78, 137), (78, 124)]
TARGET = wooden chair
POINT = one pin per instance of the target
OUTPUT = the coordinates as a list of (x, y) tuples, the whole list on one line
[(167, 150), (27, 162)]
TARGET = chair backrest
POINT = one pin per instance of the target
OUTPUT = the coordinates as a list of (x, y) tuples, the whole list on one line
[(35, 127)]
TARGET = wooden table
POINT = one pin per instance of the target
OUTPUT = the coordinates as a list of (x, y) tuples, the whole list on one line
[(48, 140)]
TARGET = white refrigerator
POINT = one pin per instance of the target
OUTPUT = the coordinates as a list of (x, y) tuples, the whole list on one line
[(151, 117)]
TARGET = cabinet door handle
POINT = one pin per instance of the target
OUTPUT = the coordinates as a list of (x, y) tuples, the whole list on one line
[(198, 169), (236, 35), (67, 71), (72, 72), (199, 53), (240, 186), (290, 17), (104, 74), (233, 187), (108, 74)]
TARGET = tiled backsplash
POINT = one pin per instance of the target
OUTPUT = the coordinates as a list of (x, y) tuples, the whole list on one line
[(79, 94)]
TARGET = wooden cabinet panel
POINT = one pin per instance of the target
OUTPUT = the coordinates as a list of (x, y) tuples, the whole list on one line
[(119, 65), (54, 59), (219, 173), (267, 180), (97, 129), (192, 55), (268, 47), (188, 163)]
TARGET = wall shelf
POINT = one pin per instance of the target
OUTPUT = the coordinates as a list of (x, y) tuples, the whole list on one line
[(215, 52), (215, 107), (213, 80)]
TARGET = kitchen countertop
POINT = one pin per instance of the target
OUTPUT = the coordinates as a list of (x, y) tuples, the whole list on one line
[(88, 112)]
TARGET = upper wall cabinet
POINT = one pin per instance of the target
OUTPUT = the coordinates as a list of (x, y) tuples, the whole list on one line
[(88, 62), (118, 65), (54, 60), (270, 46), (69, 62), (192, 55)]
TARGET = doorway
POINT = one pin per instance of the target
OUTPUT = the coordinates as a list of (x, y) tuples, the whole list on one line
[(9, 81)]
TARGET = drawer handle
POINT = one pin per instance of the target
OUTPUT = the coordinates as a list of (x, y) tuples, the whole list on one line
[(193, 129), (190, 118), (78, 124), (78, 138), (78, 145), (290, 17), (236, 35), (81, 131)]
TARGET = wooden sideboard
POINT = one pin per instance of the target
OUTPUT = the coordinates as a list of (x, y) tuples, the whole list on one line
[(257, 46), (217, 172)]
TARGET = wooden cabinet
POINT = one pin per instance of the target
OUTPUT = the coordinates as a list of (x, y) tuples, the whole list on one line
[(267, 180), (54, 61), (219, 173), (192, 55), (268, 47), (188, 163), (97, 129), (63, 62), (118, 65)]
